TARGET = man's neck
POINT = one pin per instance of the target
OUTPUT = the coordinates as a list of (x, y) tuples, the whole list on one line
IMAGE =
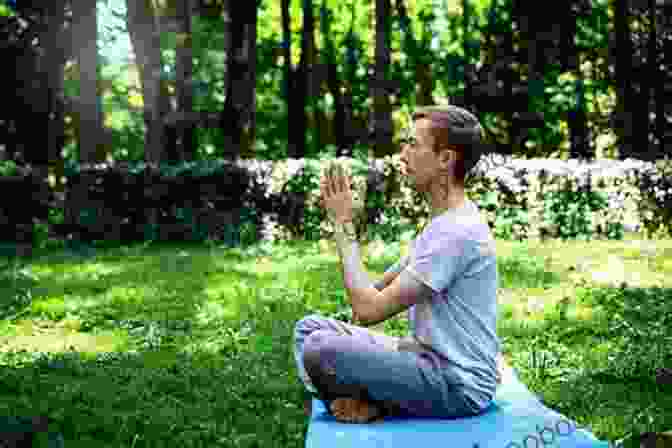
[(453, 202)]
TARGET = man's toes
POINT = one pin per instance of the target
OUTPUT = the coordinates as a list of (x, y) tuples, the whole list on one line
[(353, 410), (334, 406), (337, 406), (360, 412)]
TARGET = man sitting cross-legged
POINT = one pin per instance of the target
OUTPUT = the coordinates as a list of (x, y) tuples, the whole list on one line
[(447, 365)]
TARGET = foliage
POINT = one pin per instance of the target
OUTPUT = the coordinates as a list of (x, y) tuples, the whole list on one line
[(349, 30), (307, 179), (570, 212), (350, 27), (8, 168), (658, 204), (388, 225)]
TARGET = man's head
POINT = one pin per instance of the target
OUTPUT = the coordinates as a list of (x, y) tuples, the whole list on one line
[(440, 148)]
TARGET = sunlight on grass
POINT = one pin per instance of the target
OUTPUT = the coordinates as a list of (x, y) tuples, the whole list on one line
[(666, 265), (220, 324), (63, 336), (59, 342), (214, 311), (130, 294), (581, 313), (94, 271), (53, 307), (227, 288)]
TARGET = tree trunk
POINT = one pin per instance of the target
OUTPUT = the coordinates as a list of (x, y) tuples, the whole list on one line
[(383, 127), (305, 78), (250, 98), (578, 125), (659, 93), (294, 141), (623, 70), (238, 119), (653, 77), (90, 114), (171, 148), (504, 54), (145, 39), (343, 146), (185, 99), (147, 49), (308, 68), (354, 131), (55, 55)]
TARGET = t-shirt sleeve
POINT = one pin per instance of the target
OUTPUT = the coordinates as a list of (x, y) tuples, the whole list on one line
[(437, 259), (396, 268)]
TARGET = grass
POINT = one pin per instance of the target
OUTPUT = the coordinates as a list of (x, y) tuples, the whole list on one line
[(190, 345)]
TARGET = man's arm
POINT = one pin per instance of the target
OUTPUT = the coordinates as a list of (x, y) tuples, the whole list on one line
[(391, 273)]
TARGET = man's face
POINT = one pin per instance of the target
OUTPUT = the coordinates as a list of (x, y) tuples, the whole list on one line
[(422, 166)]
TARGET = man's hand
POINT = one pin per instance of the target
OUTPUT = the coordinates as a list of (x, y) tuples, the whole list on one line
[(336, 194)]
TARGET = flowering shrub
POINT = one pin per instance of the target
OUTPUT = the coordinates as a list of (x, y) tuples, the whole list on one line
[(520, 198)]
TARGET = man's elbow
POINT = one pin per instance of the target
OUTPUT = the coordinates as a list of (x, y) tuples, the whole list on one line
[(363, 316), (359, 317), (365, 319)]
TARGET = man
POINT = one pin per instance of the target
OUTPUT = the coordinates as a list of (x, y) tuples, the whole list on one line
[(447, 366)]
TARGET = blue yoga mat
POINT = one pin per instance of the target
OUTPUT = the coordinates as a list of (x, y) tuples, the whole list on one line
[(515, 419)]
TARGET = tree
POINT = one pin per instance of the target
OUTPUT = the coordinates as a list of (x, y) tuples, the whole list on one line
[(184, 83), (580, 147), (663, 133), (623, 125), (88, 111), (343, 144), (238, 118), (85, 29), (144, 32), (56, 43), (353, 131), (295, 136), (654, 81), (382, 113), (304, 104)]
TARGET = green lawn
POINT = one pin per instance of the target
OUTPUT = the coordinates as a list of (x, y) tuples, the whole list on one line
[(191, 345)]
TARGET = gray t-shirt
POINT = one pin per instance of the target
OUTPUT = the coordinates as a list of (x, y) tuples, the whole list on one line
[(455, 256)]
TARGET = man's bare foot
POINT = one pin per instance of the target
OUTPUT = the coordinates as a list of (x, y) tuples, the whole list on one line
[(352, 410)]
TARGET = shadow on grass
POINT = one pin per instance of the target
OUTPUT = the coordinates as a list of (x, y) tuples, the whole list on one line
[(204, 383), (161, 398), (212, 382)]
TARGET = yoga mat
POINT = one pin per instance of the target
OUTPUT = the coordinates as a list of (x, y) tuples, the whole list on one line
[(515, 419)]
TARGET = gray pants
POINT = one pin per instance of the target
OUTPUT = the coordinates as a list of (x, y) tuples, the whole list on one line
[(337, 360)]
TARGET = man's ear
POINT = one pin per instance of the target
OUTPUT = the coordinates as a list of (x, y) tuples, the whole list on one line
[(448, 155)]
